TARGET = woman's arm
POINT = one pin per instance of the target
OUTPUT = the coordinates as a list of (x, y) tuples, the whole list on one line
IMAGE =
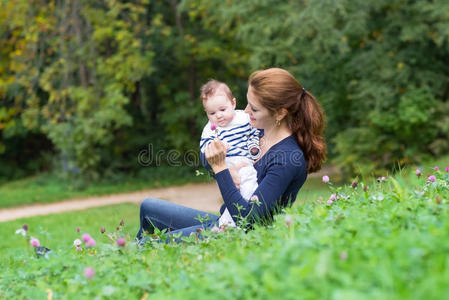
[(278, 177), (204, 161), (280, 170)]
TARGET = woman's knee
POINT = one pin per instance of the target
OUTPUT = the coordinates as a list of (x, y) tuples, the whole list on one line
[(148, 205)]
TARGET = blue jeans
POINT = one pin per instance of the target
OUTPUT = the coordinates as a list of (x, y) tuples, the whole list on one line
[(173, 217)]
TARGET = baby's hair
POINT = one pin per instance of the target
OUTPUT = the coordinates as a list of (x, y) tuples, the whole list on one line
[(213, 87)]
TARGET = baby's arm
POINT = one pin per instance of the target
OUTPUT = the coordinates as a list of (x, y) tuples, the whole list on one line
[(253, 143), (206, 138)]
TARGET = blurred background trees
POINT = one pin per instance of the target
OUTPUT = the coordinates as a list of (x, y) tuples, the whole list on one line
[(86, 85)]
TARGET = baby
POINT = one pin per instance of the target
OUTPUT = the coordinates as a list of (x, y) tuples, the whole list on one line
[(232, 127)]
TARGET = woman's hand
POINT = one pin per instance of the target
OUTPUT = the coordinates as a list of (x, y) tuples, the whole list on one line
[(215, 154), (234, 170)]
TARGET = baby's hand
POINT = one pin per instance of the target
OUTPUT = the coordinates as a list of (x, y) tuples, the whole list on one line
[(234, 170)]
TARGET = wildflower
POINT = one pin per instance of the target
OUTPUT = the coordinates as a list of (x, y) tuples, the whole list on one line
[(79, 249), (447, 169), (254, 199), (381, 179), (86, 237), (78, 229), (333, 197), (343, 255), (326, 179), (354, 184), (25, 227), (329, 201), (89, 272), (122, 223), (436, 168), (34, 242), (77, 242), (21, 231), (431, 178), (102, 230), (91, 243), (121, 242), (418, 172), (288, 220), (215, 229)]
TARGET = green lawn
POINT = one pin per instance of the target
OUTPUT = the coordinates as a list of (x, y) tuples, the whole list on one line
[(60, 229), (389, 242)]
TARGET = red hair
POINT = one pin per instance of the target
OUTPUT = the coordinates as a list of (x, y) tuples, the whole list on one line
[(277, 89)]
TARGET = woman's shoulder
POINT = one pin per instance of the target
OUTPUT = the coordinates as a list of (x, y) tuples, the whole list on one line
[(287, 153), (289, 145)]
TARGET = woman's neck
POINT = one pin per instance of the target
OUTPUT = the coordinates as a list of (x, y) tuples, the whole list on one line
[(275, 134)]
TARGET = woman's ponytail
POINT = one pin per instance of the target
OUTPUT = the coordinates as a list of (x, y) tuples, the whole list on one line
[(308, 123)]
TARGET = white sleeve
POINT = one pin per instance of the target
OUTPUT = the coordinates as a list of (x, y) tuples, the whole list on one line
[(206, 137)]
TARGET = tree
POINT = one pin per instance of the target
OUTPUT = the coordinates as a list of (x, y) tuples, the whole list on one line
[(379, 68), (76, 63)]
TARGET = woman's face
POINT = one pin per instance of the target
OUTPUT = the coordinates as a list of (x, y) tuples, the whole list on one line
[(259, 116)]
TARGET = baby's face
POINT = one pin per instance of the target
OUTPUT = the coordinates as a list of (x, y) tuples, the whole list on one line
[(220, 109)]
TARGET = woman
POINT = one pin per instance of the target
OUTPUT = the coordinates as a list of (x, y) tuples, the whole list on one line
[(292, 146)]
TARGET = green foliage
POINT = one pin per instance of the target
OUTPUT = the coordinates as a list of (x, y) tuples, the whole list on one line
[(111, 78), (75, 64), (364, 245), (379, 69), (103, 79)]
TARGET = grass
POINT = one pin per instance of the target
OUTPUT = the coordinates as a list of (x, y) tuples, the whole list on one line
[(312, 190), (55, 228), (389, 242), (60, 229), (47, 188)]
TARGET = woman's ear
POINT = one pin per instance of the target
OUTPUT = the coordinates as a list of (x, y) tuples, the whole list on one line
[(280, 115)]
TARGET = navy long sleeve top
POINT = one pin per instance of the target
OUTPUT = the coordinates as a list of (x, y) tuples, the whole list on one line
[(281, 172)]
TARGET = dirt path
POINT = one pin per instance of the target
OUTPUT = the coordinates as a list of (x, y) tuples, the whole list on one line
[(204, 196)]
